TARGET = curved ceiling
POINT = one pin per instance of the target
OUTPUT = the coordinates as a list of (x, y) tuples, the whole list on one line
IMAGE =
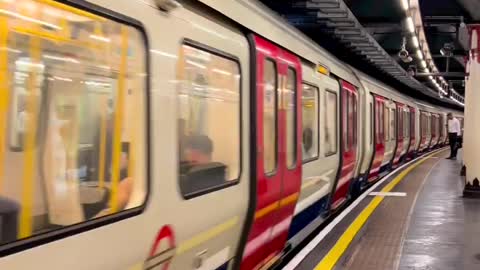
[(385, 22)]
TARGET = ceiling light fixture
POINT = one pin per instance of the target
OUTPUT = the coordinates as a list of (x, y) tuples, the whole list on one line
[(410, 25)]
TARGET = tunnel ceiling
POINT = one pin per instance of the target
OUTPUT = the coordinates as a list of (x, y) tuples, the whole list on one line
[(383, 20)]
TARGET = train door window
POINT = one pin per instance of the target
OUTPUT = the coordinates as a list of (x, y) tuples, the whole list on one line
[(310, 122), (412, 124), (74, 110), (380, 120), (347, 123), (392, 124), (330, 123), (386, 123), (289, 97), (371, 123), (399, 123), (354, 118), (209, 117), (269, 116), (406, 124)]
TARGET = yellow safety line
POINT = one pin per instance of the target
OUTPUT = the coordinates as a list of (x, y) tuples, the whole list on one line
[(29, 161), (206, 235), (274, 206), (332, 257), (71, 9), (103, 143), (117, 130), (4, 91)]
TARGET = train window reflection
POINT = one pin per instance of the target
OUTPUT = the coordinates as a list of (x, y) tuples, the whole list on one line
[(290, 94), (310, 118), (75, 121), (330, 123), (269, 116), (392, 124), (209, 121)]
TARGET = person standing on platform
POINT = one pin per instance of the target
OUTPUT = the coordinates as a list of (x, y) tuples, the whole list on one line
[(453, 133)]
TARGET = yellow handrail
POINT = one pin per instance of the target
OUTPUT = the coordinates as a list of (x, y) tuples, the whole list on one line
[(103, 142), (4, 91), (117, 130), (29, 161)]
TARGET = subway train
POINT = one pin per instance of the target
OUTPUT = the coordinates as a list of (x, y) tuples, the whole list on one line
[(161, 134)]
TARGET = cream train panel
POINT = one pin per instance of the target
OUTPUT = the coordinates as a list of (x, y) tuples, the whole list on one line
[(319, 172), (215, 234)]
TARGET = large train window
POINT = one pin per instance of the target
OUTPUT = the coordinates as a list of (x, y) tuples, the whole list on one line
[(290, 94), (310, 122), (330, 123), (76, 83), (269, 116), (209, 120)]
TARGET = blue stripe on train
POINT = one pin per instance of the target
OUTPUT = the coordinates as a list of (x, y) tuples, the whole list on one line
[(224, 266), (302, 219)]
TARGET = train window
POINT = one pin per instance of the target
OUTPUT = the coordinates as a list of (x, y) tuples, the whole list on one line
[(406, 126), (354, 101), (330, 123), (371, 123), (269, 116), (392, 124), (209, 121), (76, 116), (347, 132), (290, 94), (310, 121), (386, 123), (412, 124)]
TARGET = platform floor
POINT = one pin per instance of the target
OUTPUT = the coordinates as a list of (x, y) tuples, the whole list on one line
[(423, 223)]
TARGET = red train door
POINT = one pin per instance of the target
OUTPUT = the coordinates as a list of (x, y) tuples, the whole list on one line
[(278, 151), (400, 142), (348, 122), (379, 137)]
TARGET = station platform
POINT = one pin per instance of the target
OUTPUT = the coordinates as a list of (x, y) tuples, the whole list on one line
[(413, 219)]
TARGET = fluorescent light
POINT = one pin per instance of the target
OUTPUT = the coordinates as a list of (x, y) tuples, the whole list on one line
[(27, 63), (404, 4), (59, 58), (29, 19), (62, 79), (420, 54), (10, 50), (100, 38), (196, 64), (410, 25), (423, 63), (415, 41), (221, 71), (163, 53), (430, 77)]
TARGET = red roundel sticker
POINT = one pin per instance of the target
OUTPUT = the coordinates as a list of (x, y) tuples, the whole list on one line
[(159, 258)]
